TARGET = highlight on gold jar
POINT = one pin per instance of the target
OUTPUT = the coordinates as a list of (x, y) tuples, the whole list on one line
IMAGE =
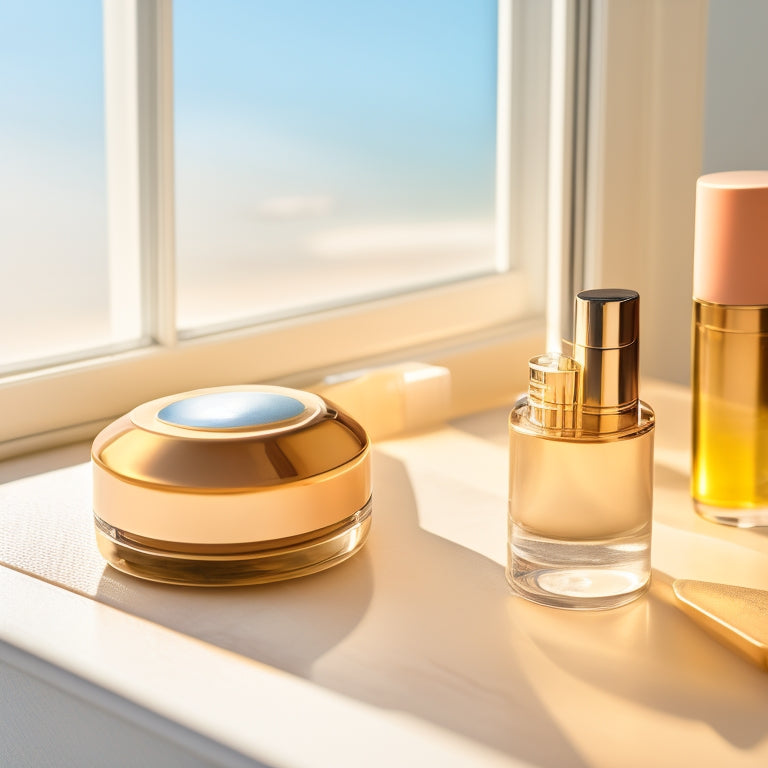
[(231, 485)]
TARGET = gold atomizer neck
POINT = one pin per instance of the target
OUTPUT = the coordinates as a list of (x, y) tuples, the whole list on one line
[(553, 392)]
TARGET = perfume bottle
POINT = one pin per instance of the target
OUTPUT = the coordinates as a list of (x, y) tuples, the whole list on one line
[(730, 349), (581, 466)]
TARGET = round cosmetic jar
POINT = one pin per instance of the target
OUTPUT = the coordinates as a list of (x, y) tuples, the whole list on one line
[(231, 485)]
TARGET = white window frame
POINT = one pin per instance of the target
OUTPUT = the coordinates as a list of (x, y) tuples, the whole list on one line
[(593, 163), (644, 154), (73, 399)]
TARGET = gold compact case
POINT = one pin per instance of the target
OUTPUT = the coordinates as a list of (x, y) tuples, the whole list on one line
[(231, 485)]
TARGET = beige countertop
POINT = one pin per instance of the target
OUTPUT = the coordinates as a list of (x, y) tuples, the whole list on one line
[(414, 651)]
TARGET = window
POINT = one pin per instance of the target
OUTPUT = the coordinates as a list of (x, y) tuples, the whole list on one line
[(370, 241), (54, 292), (330, 152)]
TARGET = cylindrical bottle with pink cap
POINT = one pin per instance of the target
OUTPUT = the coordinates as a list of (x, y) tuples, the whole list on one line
[(730, 349)]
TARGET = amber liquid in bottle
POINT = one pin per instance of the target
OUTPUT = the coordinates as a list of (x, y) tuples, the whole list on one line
[(580, 513), (730, 414)]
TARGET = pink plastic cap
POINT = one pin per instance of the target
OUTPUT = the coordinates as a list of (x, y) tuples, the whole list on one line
[(730, 264)]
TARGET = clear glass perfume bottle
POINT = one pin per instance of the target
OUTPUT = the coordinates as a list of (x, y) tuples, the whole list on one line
[(581, 466)]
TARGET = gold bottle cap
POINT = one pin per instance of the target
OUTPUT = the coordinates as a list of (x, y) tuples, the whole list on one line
[(606, 344), (229, 465), (607, 318)]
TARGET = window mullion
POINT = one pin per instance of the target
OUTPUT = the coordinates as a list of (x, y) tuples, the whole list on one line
[(504, 127), (567, 139), (138, 81), (523, 138), (154, 44), (122, 162)]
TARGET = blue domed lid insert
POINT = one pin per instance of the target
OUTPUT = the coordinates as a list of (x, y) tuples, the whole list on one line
[(231, 410)]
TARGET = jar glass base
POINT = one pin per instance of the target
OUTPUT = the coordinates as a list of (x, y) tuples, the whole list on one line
[(233, 564), (579, 575), (739, 517)]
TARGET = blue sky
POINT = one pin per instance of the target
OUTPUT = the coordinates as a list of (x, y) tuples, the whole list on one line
[(51, 62), (403, 90)]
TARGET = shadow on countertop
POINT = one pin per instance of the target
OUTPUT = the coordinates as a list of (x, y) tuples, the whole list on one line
[(413, 623)]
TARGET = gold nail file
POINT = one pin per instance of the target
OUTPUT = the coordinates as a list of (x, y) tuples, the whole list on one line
[(736, 616)]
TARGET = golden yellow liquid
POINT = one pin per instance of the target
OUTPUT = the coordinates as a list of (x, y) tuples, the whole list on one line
[(730, 414)]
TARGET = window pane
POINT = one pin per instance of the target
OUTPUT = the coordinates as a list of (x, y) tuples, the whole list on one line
[(330, 151), (54, 290)]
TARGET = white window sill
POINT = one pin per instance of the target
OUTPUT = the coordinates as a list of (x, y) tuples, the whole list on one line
[(413, 652)]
